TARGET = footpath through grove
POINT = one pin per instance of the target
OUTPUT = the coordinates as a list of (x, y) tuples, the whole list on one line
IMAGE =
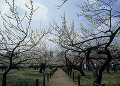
[(60, 78)]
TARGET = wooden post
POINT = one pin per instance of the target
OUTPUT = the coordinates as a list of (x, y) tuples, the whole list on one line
[(70, 74), (51, 72), (47, 76), (44, 80), (73, 76), (37, 84), (50, 75), (78, 80)]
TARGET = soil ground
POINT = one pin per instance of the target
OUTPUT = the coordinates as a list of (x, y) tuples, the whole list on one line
[(60, 78)]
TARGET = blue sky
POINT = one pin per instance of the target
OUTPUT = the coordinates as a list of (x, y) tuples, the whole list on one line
[(55, 14), (48, 12)]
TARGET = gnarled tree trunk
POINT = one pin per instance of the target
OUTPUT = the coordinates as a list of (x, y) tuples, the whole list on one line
[(5, 77)]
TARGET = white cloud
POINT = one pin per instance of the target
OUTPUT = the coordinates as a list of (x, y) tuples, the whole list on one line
[(5, 9), (91, 1), (40, 14), (115, 22)]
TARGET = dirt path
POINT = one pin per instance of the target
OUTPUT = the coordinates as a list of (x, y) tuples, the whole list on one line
[(60, 79)]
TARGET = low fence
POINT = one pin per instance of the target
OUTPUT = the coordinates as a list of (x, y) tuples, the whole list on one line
[(48, 76), (30, 82), (73, 76)]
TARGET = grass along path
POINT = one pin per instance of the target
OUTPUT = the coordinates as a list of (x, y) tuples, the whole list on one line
[(60, 78), (26, 77)]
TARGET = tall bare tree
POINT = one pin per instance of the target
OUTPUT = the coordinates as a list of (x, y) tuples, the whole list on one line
[(95, 41), (16, 38)]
